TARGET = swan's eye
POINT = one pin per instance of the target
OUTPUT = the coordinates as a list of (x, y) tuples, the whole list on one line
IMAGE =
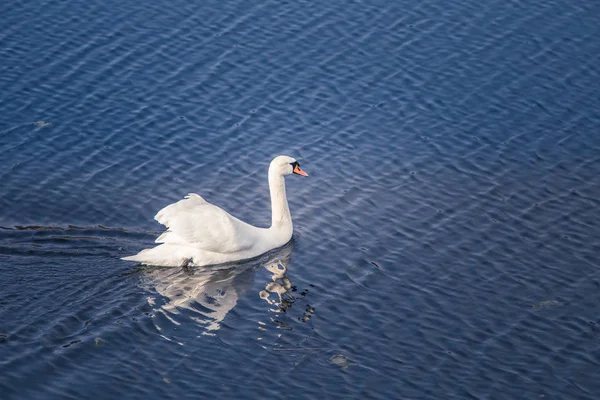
[(294, 164)]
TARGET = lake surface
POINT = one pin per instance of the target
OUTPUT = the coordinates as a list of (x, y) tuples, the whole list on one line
[(446, 242)]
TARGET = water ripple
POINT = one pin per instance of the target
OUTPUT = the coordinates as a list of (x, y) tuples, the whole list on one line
[(445, 244)]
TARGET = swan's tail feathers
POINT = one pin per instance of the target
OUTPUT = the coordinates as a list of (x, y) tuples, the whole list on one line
[(164, 255), (141, 257)]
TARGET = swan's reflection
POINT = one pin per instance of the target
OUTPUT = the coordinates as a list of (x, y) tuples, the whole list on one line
[(207, 294), (280, 286)]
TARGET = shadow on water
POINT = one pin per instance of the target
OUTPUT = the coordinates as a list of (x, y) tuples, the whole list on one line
[(205, 295)]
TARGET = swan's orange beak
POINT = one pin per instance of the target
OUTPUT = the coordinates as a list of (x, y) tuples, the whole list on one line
[(298, 170)]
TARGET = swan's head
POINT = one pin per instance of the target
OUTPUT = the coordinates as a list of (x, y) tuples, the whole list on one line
[(284, 165)]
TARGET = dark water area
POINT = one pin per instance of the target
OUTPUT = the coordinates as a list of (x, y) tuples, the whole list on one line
[(446, 242)]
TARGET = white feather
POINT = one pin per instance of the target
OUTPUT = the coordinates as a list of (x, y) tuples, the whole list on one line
[(200, 233)]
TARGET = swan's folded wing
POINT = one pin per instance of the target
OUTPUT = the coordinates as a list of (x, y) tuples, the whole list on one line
[(194, 221)]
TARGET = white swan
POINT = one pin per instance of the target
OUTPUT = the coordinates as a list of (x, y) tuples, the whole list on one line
[(199, 233)]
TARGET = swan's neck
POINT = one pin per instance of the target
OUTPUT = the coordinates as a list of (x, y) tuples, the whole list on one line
[(281, 217)]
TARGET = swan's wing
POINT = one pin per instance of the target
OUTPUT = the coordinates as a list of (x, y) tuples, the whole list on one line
[(194, 221)]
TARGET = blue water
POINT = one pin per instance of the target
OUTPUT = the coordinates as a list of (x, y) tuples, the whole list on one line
[(446, 242)]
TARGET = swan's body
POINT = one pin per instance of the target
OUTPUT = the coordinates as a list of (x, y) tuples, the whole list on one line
[(199, 233)]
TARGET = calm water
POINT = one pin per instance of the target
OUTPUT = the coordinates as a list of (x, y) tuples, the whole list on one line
[(446, 243)]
